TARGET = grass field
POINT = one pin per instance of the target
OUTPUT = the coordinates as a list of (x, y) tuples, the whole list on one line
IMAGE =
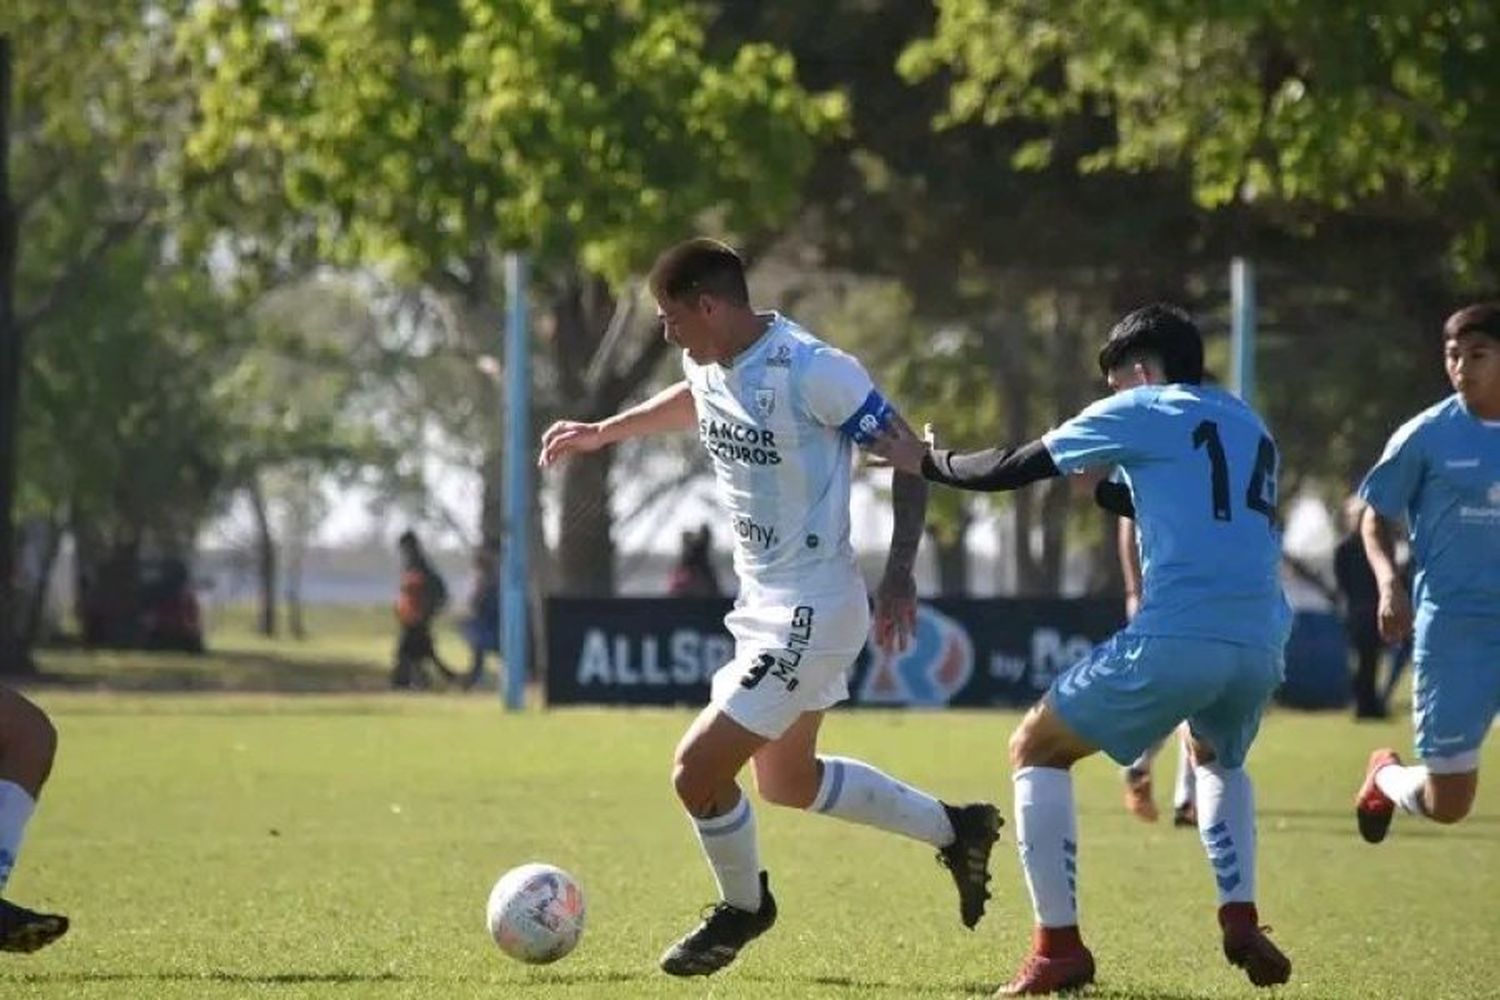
[(225, 844)]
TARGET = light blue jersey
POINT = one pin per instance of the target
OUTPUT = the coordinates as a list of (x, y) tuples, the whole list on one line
[(1441, 474), (1202, 471)]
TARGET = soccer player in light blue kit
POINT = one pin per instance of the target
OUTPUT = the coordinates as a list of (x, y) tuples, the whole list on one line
[(1441, 474), (1199, 478)]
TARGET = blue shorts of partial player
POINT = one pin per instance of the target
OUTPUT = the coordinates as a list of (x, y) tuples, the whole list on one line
[(1132, 690), (1455, 688)]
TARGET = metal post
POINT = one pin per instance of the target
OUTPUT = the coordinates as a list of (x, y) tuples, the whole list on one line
[(515, 540), (1242, 327)]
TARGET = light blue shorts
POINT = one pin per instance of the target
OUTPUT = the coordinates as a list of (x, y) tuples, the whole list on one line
[(1134, 689), (1456, 683)]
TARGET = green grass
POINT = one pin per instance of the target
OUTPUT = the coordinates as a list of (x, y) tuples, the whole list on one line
[(314, 845), (348, 649)]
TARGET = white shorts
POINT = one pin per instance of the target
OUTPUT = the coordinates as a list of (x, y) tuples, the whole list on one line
[(790, 657)]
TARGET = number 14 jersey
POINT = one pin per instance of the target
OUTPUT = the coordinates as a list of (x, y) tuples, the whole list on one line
[(1202, 470)]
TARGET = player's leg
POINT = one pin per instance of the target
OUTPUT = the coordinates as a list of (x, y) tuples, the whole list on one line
[(1043, 748), (1109, 701), (1367, 702), (28, 743), (1139, 800), (1221, 737), (1185, 788), (1455, 693), (708, 759), (429, 652), (1399, 656), (401, 663), (789, 772)]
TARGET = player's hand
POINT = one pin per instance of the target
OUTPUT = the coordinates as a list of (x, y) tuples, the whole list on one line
[(1132, 606), (901, 449), (1394, 615), (895, 612), (569, 437)]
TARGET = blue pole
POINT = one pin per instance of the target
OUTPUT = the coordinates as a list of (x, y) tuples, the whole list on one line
[(515, 541), (1242, 327)]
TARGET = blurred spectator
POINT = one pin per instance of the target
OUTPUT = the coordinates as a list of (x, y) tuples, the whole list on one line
[(1360, 596), (694, 576), (482, 626), (422, 596)]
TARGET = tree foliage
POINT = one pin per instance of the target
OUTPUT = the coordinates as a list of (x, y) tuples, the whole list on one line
[(1322, 105), (410, 134)]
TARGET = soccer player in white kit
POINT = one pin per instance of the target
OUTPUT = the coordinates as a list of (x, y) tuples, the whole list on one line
[(779, 413)]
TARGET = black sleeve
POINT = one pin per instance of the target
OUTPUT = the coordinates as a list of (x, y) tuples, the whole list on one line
[(992, 469), (1115, 498)]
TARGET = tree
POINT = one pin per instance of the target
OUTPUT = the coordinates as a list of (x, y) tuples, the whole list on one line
[(1309, 108), (425, 139), (1014, 273), (998, 218)]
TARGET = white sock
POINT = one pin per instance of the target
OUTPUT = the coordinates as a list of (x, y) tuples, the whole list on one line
[(729, 844), (1403, 785), (1047, 835), (1226, 824), (854, 791), (1185, 792), (16, 807)]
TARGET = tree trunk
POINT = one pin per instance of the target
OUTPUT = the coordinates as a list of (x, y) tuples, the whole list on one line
[(15, 655), (1028, 566), (1015, 389), (953, 560), (298, 527), (585, 550), (1064, 335), (36, 605), (265, 546), (492, 498)]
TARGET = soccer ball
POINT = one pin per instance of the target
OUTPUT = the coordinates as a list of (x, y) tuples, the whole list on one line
[(535, 913)]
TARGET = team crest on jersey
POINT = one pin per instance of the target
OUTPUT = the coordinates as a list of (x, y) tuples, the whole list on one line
[(765, 401), (933, 668)]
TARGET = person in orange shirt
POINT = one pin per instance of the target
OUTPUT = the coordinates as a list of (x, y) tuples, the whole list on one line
[(422, 595)]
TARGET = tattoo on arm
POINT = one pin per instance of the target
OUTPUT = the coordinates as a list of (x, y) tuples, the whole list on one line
[(909, 507), (909, 504)]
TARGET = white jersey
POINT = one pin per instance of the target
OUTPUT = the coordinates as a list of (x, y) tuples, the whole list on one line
[(779, 423)]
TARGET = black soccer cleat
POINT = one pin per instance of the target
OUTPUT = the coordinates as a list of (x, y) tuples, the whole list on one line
[(23, 930), (716, 942), (976, 827)]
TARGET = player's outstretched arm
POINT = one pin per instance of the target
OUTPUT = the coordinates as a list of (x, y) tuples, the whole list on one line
[(988, 471), (896, 597), (1379, 536), (669, 410)]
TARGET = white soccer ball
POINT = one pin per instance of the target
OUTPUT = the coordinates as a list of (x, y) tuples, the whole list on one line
[(535, 913)]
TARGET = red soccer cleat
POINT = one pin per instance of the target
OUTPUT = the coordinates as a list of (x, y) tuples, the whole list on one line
[(1373, 808), (1247, 947), (1058, 963)]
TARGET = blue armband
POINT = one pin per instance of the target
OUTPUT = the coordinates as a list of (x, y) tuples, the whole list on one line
[(866, 423)]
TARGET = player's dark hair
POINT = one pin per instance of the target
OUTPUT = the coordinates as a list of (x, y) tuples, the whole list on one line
[(1161, 331), (700, 266), (1482, 317)]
